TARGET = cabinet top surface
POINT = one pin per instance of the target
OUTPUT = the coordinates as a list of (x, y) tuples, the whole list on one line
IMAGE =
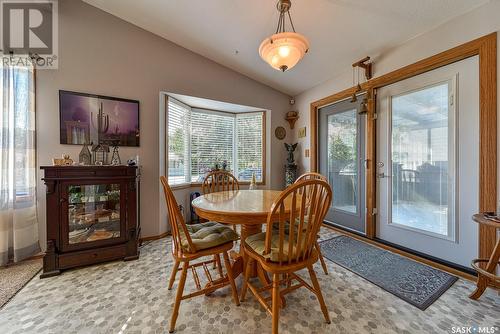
[(86, 166)]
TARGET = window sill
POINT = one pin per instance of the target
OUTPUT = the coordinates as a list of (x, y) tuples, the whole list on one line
[(180, 186)]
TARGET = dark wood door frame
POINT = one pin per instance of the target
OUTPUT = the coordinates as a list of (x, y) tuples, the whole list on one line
[(486, 48)]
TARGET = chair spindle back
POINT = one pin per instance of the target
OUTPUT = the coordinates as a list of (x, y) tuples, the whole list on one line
[(219, 180), (301, 207), (311, 176)]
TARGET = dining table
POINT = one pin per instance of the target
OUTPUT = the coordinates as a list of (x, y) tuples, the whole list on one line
[(247, 208)]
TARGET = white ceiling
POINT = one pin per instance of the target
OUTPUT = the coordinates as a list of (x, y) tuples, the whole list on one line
[(340, 31), (200, 103)]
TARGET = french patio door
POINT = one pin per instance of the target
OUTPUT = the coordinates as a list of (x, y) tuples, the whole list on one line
[(428, 162), (341, 159)]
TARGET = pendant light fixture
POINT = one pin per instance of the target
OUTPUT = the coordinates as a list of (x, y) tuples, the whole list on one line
[(283, 50)]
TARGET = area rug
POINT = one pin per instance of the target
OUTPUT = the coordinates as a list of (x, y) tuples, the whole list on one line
[(413, 282), (14, 277)]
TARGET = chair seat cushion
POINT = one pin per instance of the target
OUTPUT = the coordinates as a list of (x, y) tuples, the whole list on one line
[(208, 235), (257, 243)]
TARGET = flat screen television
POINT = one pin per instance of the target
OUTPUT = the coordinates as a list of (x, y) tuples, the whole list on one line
[(90, 118)]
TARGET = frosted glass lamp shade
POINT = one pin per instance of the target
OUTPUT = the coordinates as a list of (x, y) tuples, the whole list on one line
[(284, 50)]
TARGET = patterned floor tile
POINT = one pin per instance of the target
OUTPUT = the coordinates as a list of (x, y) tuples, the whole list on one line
[(132, 297)]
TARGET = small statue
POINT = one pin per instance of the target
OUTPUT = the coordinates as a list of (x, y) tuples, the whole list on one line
[(290, 148)]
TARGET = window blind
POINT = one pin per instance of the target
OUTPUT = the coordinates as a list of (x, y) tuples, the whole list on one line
[(178, 142), (249, 137), (212, 138)]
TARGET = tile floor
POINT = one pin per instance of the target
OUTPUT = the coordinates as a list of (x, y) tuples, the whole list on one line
[(132, 297)]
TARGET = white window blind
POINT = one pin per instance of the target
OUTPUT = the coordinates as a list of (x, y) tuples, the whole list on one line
[(200, 139), (249, 134), (212, 138), (178, 142)]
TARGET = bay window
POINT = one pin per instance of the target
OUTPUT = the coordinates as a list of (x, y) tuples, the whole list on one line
[(200, 140)]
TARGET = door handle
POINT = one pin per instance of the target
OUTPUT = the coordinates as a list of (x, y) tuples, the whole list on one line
[(382, 175)]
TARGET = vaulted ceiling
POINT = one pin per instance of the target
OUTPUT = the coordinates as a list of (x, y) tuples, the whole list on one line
[(340, 32)]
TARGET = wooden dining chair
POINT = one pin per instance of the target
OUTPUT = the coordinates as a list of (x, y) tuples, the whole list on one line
[(191, 242), (283, 254), (315, 176), (219, 180)]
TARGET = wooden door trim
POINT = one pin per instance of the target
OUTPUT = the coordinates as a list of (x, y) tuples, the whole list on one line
[(486, 48)]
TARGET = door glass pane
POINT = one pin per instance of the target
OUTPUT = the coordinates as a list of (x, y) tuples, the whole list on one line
[(93, 212), (342, 160), (420, 164)]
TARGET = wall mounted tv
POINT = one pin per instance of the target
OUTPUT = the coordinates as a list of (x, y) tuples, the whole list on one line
[(89, 118)]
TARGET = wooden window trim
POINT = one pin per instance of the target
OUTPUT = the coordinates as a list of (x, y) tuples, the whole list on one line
[(486, 48)]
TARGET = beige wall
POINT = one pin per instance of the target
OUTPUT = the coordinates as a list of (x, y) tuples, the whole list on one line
[(99, 53), (480, 22)]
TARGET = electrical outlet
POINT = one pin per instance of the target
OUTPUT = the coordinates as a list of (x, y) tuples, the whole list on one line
[(306, 152)]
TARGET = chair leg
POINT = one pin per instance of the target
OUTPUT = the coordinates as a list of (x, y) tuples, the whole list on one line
[(321, 259), (172, 274), (178, 297), (230, 276), (319, 295), (276, 302), (246, 278), (215, 261), (219, 265)]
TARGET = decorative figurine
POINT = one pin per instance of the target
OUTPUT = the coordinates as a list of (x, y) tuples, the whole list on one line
[(115, 157), (253, 183), (100, 153), (67, 161), (85, 158)]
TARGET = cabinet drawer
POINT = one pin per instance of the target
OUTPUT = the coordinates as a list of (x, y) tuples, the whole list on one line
[(82, 258)]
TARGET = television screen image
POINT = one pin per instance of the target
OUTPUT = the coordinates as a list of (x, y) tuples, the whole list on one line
[(87, 118)]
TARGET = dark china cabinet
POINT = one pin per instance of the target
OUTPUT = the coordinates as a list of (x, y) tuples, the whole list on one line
[(91, 215)]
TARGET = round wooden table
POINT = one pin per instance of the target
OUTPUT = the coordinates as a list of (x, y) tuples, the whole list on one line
[(248, 208)]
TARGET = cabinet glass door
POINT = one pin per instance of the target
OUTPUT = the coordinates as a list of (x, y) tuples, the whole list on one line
[(93, 212)]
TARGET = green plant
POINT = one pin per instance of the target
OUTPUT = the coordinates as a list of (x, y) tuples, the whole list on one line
[(339, 152)]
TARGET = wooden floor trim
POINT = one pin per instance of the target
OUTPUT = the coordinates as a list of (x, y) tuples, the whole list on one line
[(405, 254), (154, 237)]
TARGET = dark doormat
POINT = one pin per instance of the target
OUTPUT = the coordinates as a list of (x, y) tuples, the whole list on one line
[(413, 282)]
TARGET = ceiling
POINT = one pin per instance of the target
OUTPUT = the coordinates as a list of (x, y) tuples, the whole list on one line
[(200, 103), (340, 32)]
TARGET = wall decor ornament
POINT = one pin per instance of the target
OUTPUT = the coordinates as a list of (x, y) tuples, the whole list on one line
[(302, 132), (86, 118), (280, 132), (291, 118)]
